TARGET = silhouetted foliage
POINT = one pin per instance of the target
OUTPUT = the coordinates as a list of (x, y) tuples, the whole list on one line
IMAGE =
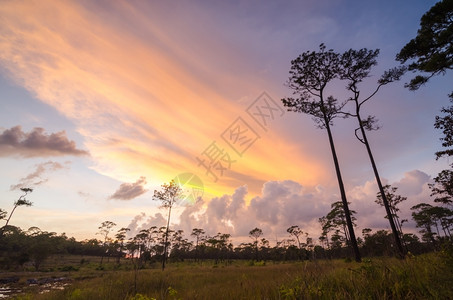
[(198, 233), (310, 74), (445, 123), (18, 247), (429, 217), (442, 189), (168, 196), (431, 51), (335, 221), (297, 233), (104, 231), (120, 246), (219, 247), (255, 234), (21, 250), (423, 217), (393, 201), (355, 67), (22, 201), (378, 244), (42, 245)]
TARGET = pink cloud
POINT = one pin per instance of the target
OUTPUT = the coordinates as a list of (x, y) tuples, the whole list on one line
[(128, 191)]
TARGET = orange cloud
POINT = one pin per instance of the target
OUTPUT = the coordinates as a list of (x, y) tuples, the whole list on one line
[(145, 106)]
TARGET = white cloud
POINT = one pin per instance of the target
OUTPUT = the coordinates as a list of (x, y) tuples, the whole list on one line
[(412, 183), (414, 186), (282, 204), (140, 222)]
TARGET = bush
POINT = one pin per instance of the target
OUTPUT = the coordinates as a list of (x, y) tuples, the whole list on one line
[(68, 268)]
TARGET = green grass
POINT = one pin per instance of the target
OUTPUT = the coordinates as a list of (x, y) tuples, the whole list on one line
[(424, 277)]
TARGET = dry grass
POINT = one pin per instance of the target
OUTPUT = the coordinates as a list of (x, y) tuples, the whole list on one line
[(424, 277)]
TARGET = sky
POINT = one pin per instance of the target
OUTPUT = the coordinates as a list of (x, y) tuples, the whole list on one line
[(102, 102)]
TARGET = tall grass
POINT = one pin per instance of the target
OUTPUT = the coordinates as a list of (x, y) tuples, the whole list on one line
[(423, 277)]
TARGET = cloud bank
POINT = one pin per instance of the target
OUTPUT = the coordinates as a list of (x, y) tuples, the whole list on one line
[(282, 204)]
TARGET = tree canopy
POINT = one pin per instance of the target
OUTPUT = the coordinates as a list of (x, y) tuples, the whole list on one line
[(310, 74), (431, 51), (445, 123)]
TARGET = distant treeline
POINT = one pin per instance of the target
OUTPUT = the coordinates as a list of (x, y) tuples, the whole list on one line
[(21, 249)]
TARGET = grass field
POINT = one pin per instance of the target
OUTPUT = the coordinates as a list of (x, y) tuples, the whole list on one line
[(427, 276)]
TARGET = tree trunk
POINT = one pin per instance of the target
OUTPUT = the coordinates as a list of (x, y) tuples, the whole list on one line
[(10, 215), (164, 258), (327, 241), (399, 227), (443, 229), (448, 230), (437, 228), (431, 236), (196, 251), (354, 246), (300, 250), (396, 236)]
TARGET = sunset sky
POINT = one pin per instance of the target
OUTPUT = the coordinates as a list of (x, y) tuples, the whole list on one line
[(101, 102)]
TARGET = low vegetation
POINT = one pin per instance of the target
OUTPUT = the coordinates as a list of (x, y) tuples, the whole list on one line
[(428, 276)]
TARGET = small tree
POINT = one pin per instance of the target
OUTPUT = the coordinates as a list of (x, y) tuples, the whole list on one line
[(20, 202), (443, 217), (42, 245), (393, 201), (426, 216), (120, 237), (310, 74), (14, 247), (104, 230), (442, 188), (168, 196), (326, 228), (255, 234), (296, 232), (198, 234), (133, 246), (219, 246), (422, 215), (336, 220)]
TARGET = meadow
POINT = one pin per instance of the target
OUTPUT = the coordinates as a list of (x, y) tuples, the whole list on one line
[(427, 276)]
